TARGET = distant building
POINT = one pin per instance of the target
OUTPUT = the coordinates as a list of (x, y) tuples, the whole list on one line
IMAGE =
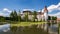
[(40, 15)]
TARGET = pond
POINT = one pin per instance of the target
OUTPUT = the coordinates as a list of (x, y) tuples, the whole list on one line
[(54, 28), (5, 29)]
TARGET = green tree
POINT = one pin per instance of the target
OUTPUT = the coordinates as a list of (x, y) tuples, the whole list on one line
[(26, 17), (49, 18), (35, 15), (2, 19), (12, 16), (54, 18), (19, 16), (15, 15)]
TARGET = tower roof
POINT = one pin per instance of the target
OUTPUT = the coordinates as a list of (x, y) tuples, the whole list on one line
[(45, 9)]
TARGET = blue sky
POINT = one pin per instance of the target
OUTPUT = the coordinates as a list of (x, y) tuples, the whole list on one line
[(10, 5), (26, 4)]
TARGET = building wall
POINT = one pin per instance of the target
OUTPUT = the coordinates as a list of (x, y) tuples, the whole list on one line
[(45, 16), (30, 17), (39, 17)]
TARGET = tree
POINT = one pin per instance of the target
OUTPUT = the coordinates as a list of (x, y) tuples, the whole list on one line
[(2, 19), (26, 17), (54, 18), (49, 18), (12, 16), (19, 16), (35, 15), (15, 15)]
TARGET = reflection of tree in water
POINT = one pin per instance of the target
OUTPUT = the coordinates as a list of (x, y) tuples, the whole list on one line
[(28, 30), (14, 29)]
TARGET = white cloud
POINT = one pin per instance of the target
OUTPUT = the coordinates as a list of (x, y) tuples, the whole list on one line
[(28, 9), (5, 9), (39, 11), (5, 12), (52, 7)]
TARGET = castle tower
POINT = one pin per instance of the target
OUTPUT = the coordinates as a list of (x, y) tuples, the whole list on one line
[(45, 13), (45, 9)]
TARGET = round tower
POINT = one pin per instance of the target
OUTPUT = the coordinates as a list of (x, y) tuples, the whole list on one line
[(45, 13)]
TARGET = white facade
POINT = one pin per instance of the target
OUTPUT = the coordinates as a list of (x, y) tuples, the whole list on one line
[(41, 16), (46, 16), (30, 17)]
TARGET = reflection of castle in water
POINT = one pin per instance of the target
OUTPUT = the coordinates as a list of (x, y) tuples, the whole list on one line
[(40, 15)]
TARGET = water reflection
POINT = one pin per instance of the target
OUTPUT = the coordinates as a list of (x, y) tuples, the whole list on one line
[(54, 28), (5, 29), (27, 30)]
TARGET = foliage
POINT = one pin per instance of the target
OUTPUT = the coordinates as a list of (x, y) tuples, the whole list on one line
[(54, 18), (35, 14), (14, 16), (19, 16), (26, 17), (2, 19), (49, 18)]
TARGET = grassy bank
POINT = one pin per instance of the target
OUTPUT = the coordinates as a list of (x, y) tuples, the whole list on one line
[(26, 23)]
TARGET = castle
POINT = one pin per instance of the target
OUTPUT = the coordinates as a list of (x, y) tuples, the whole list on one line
[(40, 15)]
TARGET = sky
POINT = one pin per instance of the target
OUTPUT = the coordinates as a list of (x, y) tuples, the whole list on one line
[(6, 6)]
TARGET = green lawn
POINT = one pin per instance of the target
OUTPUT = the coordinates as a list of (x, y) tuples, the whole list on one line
[(26, 23)]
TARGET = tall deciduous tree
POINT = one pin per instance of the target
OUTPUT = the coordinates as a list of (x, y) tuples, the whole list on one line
[(26, 17), (35, 15)]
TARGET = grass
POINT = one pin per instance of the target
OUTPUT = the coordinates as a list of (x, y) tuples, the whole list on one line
[(26, 23)]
